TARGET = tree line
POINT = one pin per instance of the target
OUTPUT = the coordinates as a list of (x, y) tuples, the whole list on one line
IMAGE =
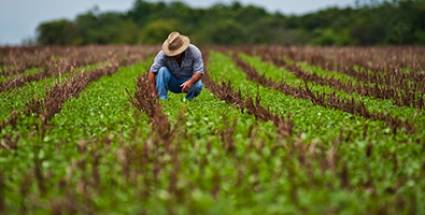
[(400, 22)]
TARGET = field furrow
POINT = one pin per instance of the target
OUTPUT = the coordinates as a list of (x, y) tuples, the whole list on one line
[(55, 97), (218, 146), (52, 102), (326, 100), (27, 72), (15, 100), (319, 123), (376, 66), (374, 106), (398, 96), (16, 61), (323, 119), (409, 87), (23, 79), (261, 138), (86, 133)]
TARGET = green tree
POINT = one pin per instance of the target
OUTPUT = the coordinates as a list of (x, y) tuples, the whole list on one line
[(328, 37), (58, 32), (370, 22), (157, 31), (225, 32)]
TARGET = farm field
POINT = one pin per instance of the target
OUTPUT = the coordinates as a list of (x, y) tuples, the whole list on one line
[(276, 130)]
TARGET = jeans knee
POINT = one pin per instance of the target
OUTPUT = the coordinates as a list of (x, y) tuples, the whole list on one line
[(195, 90), (163, 71), (197, 87)]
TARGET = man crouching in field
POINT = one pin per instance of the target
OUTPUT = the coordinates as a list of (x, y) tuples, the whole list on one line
[(178, 67)]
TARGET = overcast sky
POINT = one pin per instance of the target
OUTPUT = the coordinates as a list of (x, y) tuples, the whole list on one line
[(19, 18)]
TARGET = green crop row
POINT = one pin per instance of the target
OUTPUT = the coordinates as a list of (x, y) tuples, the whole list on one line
[(317, 70), (324, 73), (345, 78), (312, 120), (207, 171), (103, 110), (324, 125), (94, 124), (98, 156), (16, 98), (27, 72), (372, 104)]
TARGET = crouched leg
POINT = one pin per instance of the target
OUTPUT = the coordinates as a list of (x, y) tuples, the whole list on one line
[(195, 90), (162, 81)]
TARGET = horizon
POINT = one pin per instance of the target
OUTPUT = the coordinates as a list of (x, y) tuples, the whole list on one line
[(28, 17)]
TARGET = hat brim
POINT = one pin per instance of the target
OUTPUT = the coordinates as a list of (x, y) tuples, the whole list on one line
[(172, 53)]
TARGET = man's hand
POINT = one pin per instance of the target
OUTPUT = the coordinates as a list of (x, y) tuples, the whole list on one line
[(186, 86), (189, 83)]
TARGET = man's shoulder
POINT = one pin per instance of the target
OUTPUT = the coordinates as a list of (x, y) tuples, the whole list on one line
[(160, 54), (195, 50)]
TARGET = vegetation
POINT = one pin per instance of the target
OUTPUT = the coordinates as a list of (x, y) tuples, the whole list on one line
[(367, 23), (269, 134)]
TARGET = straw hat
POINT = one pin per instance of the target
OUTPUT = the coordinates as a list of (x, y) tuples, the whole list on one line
[(175, 44)]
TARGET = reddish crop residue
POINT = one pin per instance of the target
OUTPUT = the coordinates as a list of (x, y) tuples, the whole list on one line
[(56, 96), (327, 100), (145, 102), (378, 70), (224, 91)]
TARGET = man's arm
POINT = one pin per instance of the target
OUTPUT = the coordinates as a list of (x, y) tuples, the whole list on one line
[(189, 83), (198, 66), (159, 62), (152, 81)]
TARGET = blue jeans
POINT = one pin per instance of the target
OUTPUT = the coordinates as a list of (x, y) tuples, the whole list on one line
[(166, 81)]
